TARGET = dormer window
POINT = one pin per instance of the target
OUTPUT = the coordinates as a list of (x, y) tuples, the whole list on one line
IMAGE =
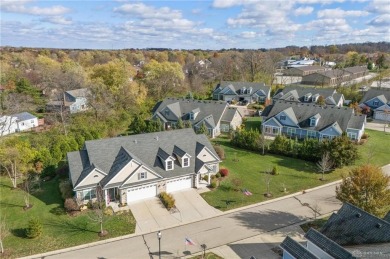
[(313, 122), (169, 165), (167, 112), (375, 103), (282, 117), (186, 162), (191, 116), (292, 98)]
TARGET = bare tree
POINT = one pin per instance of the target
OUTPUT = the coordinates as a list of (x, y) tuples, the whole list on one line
[(3, 232), (316, 209), (98, 210), (27, 188), (267, 180), (8, 162), (325, 164)]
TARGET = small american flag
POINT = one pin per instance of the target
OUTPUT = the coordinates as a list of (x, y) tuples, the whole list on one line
[(189, 241), (246, 192)]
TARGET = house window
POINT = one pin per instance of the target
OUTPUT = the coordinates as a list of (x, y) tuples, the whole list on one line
[(261, 99), (142, 175), (275, 131), (166, 112), (191, 116), (186, 162), (32, 121), (88, 194), (282, 117), (352, 135), (311, 134), (291, 131), (169, 165), (375, 103), (312, 122), (291, 98)]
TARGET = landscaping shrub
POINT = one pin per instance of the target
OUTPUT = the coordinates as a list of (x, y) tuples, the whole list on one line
[(236, 182), (66, 189), (224, 172), (218, 175), (248, 139), (168, 200), (220, 152), (34, 228), (226, 186), (213, 184), (206, 178), (70, 205), (365, 136), (48, 172), (274, 170), (108, 211), (212, 177)]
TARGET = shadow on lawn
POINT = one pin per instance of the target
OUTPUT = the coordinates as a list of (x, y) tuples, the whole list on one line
[(75, 227), (19, 232), (302, 166), (269, 220), (9, 205)]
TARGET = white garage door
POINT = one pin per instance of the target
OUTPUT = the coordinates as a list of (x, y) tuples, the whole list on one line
[(141, 192), (179, 184)]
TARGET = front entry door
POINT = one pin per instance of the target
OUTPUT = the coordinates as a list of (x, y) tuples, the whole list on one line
[(112, 193)]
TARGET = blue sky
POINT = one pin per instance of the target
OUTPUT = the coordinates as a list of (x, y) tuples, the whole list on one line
[(183, 24)]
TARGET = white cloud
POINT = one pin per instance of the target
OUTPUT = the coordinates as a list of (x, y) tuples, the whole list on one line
[(379, 6), (57, 20), (248, 34), (20, 7), (141, 10), (227, 3), (332, 26), (303, 10), (381, 20), (339, 13)]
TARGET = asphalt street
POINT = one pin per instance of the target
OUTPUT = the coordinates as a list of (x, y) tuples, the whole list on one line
[(214, 232)]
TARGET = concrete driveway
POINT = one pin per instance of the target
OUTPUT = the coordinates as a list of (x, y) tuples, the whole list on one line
[(377, 125), (151, 215)]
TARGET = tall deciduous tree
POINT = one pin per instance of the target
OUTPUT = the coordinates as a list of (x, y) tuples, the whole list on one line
[(163, 79), (367, 188)]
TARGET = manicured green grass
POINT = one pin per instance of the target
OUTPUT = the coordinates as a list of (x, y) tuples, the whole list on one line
[(294, 174), (59, 229), (253, 123), (376, 149)]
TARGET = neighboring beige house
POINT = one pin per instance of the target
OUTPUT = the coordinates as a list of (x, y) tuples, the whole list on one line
[(216, 115), (131, 168)]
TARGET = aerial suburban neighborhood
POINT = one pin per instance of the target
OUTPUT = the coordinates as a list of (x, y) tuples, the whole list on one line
[(195, 129)]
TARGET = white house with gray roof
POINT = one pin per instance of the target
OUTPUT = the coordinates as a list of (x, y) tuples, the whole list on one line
[(309, 95), (73, 101), (216, 115), (17, 122), (250, 92), (379, 102), (305, 120), (136, 167)]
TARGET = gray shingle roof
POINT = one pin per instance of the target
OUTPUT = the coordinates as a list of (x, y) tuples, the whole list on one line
[(357, 121), (356, 69), (296, 249), (143, 148), (23, 116), (328, 246), (309, 68), (82, 92), (299, 94), (353, 226), (303, 112), (229, 114), (374, 93), (236, 86), (182, 108)]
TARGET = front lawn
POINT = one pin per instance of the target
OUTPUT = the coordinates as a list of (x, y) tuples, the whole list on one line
[(376, 149), (294, 175), (253, 123), (59, 229)]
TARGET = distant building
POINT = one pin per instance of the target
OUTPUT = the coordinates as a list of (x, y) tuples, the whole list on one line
[(309, 95), (17, 122), (249, 92), (73, 101), (304, 70)]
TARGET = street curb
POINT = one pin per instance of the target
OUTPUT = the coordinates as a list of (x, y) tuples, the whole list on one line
[(106, 241)]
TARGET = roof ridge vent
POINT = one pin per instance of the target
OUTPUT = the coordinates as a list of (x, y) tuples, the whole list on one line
[(156, 138), (135, 141), (358, 215), (378, 225)]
